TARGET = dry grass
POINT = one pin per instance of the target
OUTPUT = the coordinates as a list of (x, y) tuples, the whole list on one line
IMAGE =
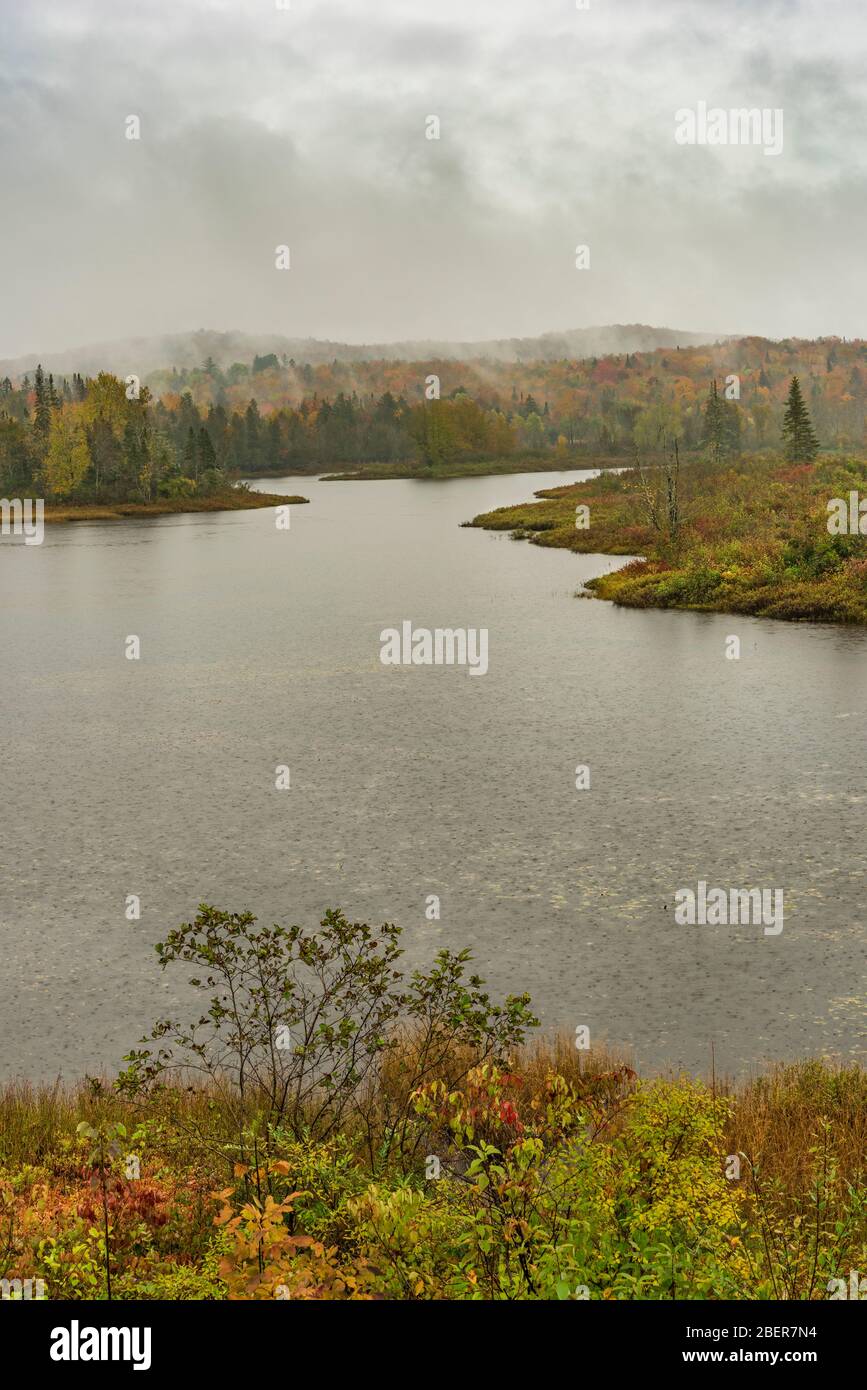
[(777, 1119), (776, 1116)]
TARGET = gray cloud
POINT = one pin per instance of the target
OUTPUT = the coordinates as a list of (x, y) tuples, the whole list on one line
[(306, 126)]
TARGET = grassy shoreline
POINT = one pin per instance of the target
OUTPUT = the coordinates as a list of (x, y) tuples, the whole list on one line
[(333, 1127), (236, 501), (656, 1212), (752, 539), (475, 468)]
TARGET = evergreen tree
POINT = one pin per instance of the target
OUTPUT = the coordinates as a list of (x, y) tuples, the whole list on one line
[(16, 463), (191, 456), (42, 412), (714, 424), (253, 432), (188, 418), (273, 444), (207, 456), (386, 408), (134, 460), (217, 426), (800, 442)]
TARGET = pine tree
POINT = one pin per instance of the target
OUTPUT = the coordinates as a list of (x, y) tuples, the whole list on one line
[(191, 456), (253, 431), (714, 424), (800, 442), (42, 412), (207, 456)]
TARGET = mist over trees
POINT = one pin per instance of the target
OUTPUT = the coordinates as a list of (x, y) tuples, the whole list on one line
[(188, 432), (189, 350)]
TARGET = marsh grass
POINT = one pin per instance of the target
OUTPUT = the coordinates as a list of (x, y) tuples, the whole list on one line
[(238, 499), (626, 1192), (753, 538), (775, 1115)]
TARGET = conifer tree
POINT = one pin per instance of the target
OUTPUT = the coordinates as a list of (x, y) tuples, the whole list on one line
[(191, 456), (42, 412), (207, 456), (800, 442), (714, 424)]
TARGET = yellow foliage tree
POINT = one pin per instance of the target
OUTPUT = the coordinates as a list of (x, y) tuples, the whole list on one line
[(68, 458), (106, 401)]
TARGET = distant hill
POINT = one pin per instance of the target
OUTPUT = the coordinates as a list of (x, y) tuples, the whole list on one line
[(186, 350)]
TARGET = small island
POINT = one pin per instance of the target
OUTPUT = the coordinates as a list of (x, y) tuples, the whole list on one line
[(102, 450), (233, 499)]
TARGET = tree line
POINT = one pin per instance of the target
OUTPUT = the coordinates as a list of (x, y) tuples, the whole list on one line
[(591, 406), (104, 439), (98, 440)]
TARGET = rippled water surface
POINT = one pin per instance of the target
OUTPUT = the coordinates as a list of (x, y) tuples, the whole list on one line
[(261, 647)]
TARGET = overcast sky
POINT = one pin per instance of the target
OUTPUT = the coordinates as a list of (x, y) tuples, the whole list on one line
[(306, 126)]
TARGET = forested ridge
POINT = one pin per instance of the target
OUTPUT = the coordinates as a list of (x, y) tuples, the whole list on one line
[(187, 432)]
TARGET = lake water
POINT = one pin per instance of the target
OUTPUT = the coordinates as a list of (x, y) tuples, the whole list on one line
[(261, 647)]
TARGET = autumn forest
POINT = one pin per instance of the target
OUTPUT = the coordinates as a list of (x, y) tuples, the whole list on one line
[(186, 433)]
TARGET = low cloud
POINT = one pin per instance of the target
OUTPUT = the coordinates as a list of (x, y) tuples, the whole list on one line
[(307, 126)]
